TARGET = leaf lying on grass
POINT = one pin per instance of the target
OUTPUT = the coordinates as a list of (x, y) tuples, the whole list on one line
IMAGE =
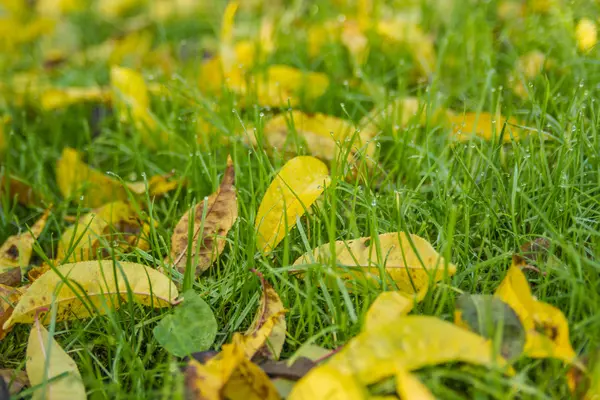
[(410, 269), (14, 381), (9, 297), (15, 252), (191, 328), (20, 191), (46, 360), (95, 287), (386, 308), (213, 218), (484, 125), (295, 188), (546, 328), (63, 97)]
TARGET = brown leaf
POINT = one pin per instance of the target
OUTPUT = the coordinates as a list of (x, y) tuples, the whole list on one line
[(14, 380), (9, 296), (221, 213), (281, 369), (536, 250), (19, 190)]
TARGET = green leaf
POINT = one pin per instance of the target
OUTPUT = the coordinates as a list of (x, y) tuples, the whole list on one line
[(492, 318), (191, 328)]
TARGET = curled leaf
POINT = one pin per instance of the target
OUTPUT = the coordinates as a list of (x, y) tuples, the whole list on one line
[(92, 287), (15, 252), (411, 269), (295, 188), (546, 328), (386, 308), (47, 360), (213, 218)]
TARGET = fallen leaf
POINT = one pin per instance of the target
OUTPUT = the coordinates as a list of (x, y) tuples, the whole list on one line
[(327, 382), (116, 225), (47, 360), (411, 269), (586, 34), (282, 85), (295, 188), (228, 375), (14, 380), (213, 218), (19, 190), (387, 307), (9, 297), (485, 126), (35, 272), (488, 316), (409, 387), (527, 68), (324, 135), (55, 98), (191, 328), (410, 342), (266, 335), (157, 185), (546, 328), (281, 369), (102, 284), (15, 252)]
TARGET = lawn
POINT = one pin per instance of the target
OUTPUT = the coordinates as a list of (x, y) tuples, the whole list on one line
[(473, 125)]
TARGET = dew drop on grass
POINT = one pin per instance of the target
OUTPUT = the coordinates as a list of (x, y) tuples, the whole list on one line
[(374, 202)]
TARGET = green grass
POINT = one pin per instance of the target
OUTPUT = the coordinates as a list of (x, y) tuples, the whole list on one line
[(476, 202)]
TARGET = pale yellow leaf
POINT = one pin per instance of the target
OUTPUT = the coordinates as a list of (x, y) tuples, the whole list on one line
[(295, 188), (410, 269), (213, 219), (47, 360), (106, 286)]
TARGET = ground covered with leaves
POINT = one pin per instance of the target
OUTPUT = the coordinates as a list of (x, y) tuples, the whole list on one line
[(307, 200)]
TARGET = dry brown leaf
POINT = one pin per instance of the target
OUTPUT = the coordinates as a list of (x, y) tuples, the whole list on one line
[(16, 252), (208, 240), (14, 380), (9, 297)]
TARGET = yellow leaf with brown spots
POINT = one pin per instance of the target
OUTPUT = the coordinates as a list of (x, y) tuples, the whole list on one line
[(546, 328), (410, 269), (325, 135), (484, 125), (115, 226), (92, 288), (9, 296), (228, 375), (47, 360), (387, 307), (15, 252), (76, 178), (411, 342), (266, 335), (213, 218), (295, 188)]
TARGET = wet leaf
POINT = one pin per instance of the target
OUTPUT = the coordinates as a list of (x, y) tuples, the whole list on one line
[(9, 297), (266, 335), (411, 342), (94, 287), (546, 328), (228, 375), (213, 218), (191, 328), (295, 188), (410, 269), (14, 380), (484, 125), (491, 317), (47, 360), (113, 226), (387, 307), (327, 382), (586, 34), (16, 251)]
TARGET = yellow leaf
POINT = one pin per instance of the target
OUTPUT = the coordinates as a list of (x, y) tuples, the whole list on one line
[(228, 375), (47, 360), (116, 224), (586, 34), (528, 66), (546, 327), (56, 8), (320, 131), (326, 382), (16, 32), (410, 269), (410, 342), (20, 191), (64, 97), (387, 307), (106, 286), (409, 387), (295, 188), (266, 335), (112, 9), (484, 125), (15, 252), (213, 219), (157, 185), (281, 83), (9, 296)]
